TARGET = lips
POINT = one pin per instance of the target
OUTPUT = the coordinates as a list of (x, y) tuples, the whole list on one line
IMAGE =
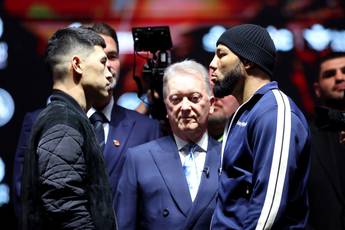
[(213, 79), (340, 86)]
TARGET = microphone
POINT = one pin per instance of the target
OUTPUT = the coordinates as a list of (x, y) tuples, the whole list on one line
[(206, 170)]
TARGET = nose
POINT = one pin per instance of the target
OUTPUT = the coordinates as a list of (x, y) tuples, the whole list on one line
[(108, 74), (185, 104), (213, 64), (339, 76), (109, 66)]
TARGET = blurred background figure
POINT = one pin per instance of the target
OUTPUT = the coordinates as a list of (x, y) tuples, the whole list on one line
[(224, 108), (327, 175)]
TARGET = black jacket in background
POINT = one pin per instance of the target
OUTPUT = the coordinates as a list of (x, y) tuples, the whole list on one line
[(327, 178), (65, 185)]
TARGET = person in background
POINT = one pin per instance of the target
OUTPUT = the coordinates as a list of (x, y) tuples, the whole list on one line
[(65, 185), (265, 152), (327, 176), (224, 108), (123, 128), (171, 182)]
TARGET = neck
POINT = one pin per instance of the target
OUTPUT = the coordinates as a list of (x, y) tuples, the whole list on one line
[(216, 128), (192, 136), (100, 104), (336, 105), (75, 93), (252, 84)]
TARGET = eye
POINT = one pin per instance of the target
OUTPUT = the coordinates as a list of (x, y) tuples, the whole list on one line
[(104, 60), (328, 73), (112, 55), (175, 99), (221, 53), (342, 69), (195, 97)]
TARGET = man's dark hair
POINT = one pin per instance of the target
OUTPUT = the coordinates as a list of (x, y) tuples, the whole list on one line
[(105, 29), (327, 57), (69, 39)]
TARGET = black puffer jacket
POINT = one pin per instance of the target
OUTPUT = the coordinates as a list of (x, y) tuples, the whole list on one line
[(65, 185)]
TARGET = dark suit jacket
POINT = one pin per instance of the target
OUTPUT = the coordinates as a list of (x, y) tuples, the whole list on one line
[(326, 185), (127, 128), (22, 147), (153, 191)]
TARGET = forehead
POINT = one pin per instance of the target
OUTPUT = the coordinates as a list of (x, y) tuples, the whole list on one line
[(334, 63), (184, 83), (221, 47), (224, 49), (97, 53), (110, 43)]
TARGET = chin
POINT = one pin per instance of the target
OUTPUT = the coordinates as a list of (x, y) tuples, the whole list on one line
[(189, 128)]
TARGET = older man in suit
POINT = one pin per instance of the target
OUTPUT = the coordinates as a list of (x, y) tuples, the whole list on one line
[(171, 182)]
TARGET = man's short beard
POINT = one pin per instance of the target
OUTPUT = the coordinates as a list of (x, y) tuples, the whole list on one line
[(226, 86)]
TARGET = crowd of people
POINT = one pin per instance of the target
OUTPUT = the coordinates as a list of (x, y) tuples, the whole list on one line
[(239, 153)]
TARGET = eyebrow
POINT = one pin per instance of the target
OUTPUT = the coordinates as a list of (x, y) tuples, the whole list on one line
[(332, 71), (113, 53)]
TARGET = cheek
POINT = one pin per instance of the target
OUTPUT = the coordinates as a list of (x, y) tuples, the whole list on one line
[(115, 65), (171, 111), (204, 111), (327, 84)]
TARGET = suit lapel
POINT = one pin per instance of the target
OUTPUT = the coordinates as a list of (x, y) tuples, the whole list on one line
[(169, 164), (208, 185), (120, 129)]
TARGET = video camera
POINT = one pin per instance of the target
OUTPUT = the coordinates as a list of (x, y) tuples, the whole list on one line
[(156, 41)]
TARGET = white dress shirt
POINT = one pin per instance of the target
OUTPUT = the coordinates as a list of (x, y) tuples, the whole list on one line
[(199, 154), (107, 113)]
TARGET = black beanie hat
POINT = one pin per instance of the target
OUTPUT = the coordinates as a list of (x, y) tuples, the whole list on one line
[(253, 43)]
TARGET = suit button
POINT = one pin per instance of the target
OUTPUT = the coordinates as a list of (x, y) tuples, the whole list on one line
[(165, 212)]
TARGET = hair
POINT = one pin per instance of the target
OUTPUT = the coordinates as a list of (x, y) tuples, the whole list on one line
[(327, 57), (186, 67), (105, 29), (70, 40)]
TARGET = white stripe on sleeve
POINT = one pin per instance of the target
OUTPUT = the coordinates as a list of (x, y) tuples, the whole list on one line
[(279, 163)]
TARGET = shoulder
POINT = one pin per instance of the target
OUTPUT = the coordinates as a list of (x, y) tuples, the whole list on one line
[(61, 135), (56, 115), (33, 114), (157, 145), (213, 144), (62, 131), (134, 115), (275, 107)]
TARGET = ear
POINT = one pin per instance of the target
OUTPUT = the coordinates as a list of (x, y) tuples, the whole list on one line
[(247, 64), (76, 64), (212, 101), (317, 89)]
